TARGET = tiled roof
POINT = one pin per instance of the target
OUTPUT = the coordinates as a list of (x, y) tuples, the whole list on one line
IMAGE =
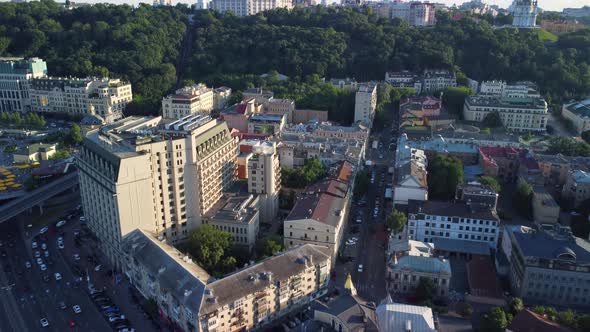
[(393, 317)]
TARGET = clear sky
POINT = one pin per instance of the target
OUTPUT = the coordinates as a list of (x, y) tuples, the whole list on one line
[(556, 5)]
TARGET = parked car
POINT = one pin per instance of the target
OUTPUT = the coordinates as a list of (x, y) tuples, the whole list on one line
[(44, 322), (77, 309), (360, 268), (44, 230), (60, 223)]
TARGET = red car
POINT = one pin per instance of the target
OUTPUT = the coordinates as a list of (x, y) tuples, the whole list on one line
[(72, 323)]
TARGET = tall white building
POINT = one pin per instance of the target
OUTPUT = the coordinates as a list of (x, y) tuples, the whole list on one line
[(525, 13), (139, 174), (415, 13), (81, 96), (15, 76), (188, 100), (365, 104), (264, 178), (249, 7)]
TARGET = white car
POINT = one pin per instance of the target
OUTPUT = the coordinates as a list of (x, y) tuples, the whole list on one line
[(28, 264), (60, 245), (76, 257), (46, 253), (43, 267), (34, 245), (57, 276), (60, 223), (97, 268), (37, 254), (44, 230), (39, 261), (77, 309), (360, 269), (44, 246), (60, 239), (44, 322)]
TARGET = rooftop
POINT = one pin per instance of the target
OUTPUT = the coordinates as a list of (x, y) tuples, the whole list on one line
[(449, 209), (423, 264), (482, 278), (553, 243), (440, 145), (185, 280), (580, 176), (236, 207), (395, 317), (259, 276), (580, 108), (267, 117), (412, 169), (507, 102), (476, 188), (461, 246), (353, 311)]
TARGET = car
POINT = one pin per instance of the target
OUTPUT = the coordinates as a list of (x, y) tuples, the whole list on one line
[(76, 257), (120, 326), (57, 276), (77, 309), (44, 246), (44, 322), (43, 267), (359, 220), (46, 253), (44, 230), (37, 254), (39, 261), (27, 264), (126, 329), (360, 268), (82, 220), (72, 323), (98, 267), (60, 223), (60, 245), (76, 232), (112, 314), (354, 238), (60, 238), (62, 305), (34, 245), (115, 318)]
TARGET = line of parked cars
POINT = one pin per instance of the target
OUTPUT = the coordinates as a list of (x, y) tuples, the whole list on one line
[(110, 311)]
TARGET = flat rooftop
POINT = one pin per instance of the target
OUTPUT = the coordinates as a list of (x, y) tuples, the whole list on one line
[(238, 207), (517, 103), (450, 209), (557, 243)]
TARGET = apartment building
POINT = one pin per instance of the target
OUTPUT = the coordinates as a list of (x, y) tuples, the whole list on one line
[(404, 79), (249, 299), (264, 178), (409, 261), (320, 212), (548, 265), (577, 187), (365, 104), (519, 106), (137, 173), (280, 106), (249, 7), (524, 13), (221, 97), (102, 97), (428, 220), (434, 80), (475, 192), (237, 214), (414, 12), (188, 100), (15, 77), (410, 182), (579, 114)]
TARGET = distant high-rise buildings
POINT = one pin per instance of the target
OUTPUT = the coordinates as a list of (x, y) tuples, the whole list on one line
[(15, 77), (525, 13)]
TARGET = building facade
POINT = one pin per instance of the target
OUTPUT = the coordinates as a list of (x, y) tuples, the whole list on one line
[(434, 80), (579, 114), (416, 13), (187, 101), (15, 77), (264, 178), (548, 265), (365, 104), (524, 13), (577, 187), (104, 97), (139, 174), (456, 221), (249, 7)]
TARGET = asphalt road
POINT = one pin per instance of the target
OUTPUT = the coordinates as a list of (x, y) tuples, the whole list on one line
[(27, 298)]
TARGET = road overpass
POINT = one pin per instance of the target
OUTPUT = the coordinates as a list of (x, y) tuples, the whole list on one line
[(36, 197)]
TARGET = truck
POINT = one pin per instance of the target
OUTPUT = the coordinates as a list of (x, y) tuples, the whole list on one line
[(375, 144)]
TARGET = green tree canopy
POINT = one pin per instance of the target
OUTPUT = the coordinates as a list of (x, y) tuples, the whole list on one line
[(208, 245), (522, 199), (492, 120), (269, 246), (75, 134), (516, 305), (494, 321), (396, 221), (425, 290), (444, 175), (492, 182), (454, 98)]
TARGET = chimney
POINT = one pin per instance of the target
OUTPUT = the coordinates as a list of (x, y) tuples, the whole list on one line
[(408, 326)]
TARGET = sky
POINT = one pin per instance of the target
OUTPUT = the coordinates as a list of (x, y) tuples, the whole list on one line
[(555, 5)]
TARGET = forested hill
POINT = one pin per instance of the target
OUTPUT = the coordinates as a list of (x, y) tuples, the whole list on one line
[(142, 44)]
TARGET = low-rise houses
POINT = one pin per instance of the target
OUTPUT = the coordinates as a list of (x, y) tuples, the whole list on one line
[(545, 208), (365, 104), (270, 124), (80, 96), (251, 298), (430, 81), (423, 111), (500, 162), (548, 265), (428, 220), (519, 106), (35, 152), (404, 79), (577, 187), (410, 261), (579, 114), (320, 212)]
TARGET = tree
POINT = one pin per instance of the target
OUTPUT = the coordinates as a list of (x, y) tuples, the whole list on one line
[(76, 134), (494, 321), (567, 318), (444, 175), (586, 136), (492, 182), (465, 309), (454, 98), (568, 146), (516, 305), (269, 246), (492, 120), (425, 290), (522, 199), (208, 245), (396, 221), (361, 183)]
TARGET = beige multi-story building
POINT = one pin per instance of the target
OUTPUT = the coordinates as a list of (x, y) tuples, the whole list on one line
[(15, 77), (579, 114), (365, 104), (188, 100), (249, 7), (280, 106), (264, 178), (577, 187), (250, 299), (221, 97), (320, 212), (139, 174), (104, 97)]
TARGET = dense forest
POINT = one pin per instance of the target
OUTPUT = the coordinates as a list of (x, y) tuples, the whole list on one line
[(142, 44)]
